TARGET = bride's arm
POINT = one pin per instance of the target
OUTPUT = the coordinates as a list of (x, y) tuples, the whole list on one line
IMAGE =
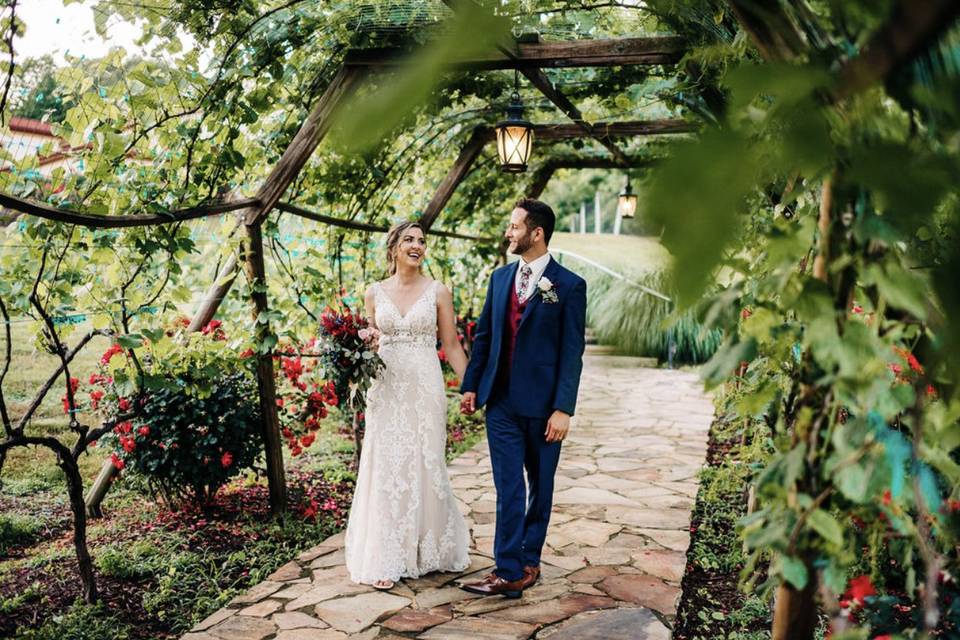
[(369, 307), (447, 330)]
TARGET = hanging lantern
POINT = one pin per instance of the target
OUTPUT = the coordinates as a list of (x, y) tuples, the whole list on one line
[(514, 136), (627, 202)]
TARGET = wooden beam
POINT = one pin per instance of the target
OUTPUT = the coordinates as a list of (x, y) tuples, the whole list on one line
[(541, 177), (910, 28), (596, 162), (363, 226), (539, 79), (101, 221), (575, 53), (630, 128), (464, 161), (311, 132)]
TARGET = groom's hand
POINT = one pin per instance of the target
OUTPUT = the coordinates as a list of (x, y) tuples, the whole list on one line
[(557, 426), (468, 405)]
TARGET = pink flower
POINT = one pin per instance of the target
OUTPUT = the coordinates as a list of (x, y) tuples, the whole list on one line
[(144, 431)]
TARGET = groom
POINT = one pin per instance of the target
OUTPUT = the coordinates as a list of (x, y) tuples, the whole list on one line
[(525, 366)]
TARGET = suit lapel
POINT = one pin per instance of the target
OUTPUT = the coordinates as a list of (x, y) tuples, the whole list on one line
[(501, 298), (534, 301)]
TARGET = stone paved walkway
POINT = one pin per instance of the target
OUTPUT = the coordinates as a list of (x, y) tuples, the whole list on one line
[(616, 547)]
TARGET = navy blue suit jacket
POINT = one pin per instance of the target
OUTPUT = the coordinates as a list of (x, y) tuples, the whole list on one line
[(548, 356)]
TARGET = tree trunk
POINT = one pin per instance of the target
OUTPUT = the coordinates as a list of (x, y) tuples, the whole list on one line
[(84, 562), (265, 382), (795, 612)]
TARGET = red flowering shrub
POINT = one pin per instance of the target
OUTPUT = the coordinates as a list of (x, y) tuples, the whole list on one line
[(304, 397), (191, 421)]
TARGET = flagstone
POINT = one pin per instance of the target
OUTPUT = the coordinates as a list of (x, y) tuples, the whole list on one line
[(619, 530), (643, 590), (261, 609), (676, 540), (243, 628), (592, 575), (311, 634), (668, 565), (649, 518), (289, 571), (416, 620), (588, 532), (213, 618), (296, 620), (355, 613), (257, 593), (471, 628), (329, 560), (616, 624), (551, 611)]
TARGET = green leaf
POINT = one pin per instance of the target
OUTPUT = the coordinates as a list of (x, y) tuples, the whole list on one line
[(827, 526), (794, 572), (130, 341), (726, 360)]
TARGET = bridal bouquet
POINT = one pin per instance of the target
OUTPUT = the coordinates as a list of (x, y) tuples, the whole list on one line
[(348, 355)]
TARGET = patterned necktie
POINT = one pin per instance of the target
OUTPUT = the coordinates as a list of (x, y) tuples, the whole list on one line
[(525, 273)]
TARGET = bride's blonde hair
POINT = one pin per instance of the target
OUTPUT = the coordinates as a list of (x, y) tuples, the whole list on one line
[(393, 240)]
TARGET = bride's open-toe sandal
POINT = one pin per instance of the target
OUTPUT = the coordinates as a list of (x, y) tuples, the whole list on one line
[(383, 585)]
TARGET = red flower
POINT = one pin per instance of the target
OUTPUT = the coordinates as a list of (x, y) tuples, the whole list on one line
[(128, 444), (857, 308), (746, 313), (307, 440), (117, 462), (66, 404), (74, 384), (897, 369), (287, 433), (914, 363), (442, 355), (109, 353), (295, 450), (292, 368), (95, 397), (311, 510), (144, 431), (931, 391), (246, 354), (887, 497), (226, 460), (124, 404), (859, 589), (885, 636), (280, 402), (210, 327)]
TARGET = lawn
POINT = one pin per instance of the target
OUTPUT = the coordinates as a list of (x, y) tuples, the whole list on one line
[(624, 254)]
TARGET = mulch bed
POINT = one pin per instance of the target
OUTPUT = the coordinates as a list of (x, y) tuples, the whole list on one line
[(722, 586), (234, 520)]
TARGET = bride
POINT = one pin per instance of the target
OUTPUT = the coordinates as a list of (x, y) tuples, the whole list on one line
[(404, 521)]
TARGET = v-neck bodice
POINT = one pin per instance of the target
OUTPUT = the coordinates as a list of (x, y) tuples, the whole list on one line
[(418, 326)]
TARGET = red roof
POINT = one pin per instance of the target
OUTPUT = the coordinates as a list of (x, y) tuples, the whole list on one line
[(29, 125)]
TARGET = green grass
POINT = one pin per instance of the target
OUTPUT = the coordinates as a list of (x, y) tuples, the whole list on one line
[(624, 254), (17, 530)]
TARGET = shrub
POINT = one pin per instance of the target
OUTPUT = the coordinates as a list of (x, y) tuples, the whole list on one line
[(193, 419), (80, 622), (17, 531)]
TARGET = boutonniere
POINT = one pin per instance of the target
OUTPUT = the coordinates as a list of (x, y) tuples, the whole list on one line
[(547, 293)]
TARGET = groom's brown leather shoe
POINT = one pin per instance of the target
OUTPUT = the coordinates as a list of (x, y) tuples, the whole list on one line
[(494, 585), (531, 575)]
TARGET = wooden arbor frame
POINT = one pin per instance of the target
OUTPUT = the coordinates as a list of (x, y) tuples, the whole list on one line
[(528, 58)]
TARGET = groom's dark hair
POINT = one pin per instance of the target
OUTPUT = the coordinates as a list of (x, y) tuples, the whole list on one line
[(539, 214)]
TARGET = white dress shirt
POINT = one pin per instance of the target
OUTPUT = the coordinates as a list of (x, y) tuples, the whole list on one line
[(537, 267)]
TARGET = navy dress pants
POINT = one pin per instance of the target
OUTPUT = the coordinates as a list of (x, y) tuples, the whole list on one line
[(517, 444)]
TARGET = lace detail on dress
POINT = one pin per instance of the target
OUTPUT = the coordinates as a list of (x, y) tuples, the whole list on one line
[(404, 520)]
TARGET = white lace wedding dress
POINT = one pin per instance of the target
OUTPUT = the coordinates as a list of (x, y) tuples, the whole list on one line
[(404, 521)]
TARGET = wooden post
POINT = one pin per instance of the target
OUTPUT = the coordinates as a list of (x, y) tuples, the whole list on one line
[(597, 227), (256, 274), (794, 611), (99, 489), (583, 217), (464, 161), (617, 223)]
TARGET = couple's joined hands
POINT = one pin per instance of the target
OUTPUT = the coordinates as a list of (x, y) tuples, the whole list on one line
[(557, 426)]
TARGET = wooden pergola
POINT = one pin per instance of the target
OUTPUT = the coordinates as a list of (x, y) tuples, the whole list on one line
[(529, 58)]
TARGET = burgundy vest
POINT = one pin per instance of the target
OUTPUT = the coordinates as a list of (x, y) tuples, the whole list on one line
[(514, 313)]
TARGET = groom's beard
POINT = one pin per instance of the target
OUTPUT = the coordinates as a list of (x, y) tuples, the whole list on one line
[(523, 244)]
